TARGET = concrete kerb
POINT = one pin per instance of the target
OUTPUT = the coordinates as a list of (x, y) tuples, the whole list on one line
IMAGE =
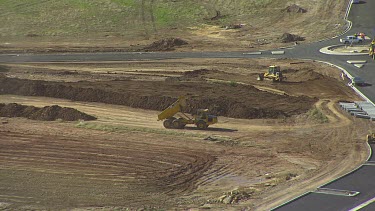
[(253, 53), (368, 145), (327, 50), (349, 76)]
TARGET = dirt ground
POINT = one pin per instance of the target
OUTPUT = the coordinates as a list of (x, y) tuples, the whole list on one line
[(261, 28), (273, 142)]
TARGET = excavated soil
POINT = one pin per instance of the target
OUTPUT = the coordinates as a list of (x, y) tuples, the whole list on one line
[(286, 37), (294, 9), (47, 113), (223, 99), (166, 44)]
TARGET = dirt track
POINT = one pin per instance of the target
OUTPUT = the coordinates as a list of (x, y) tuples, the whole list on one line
[(127, 159)]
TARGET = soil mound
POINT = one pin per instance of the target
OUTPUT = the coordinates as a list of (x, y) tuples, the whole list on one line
[(286, 37), (303, 75), (294, 9), (166, 44), (47, 113), (239, 101), (196, 73)]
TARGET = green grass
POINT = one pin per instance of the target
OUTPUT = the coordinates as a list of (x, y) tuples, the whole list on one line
[(233, 83), (121, 17), (317, 115)]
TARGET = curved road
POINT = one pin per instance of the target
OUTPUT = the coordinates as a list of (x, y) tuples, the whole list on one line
[(351, 192)]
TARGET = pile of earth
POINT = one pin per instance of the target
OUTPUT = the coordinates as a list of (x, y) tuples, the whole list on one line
[(222, 99), (47, 113), (166, 44), (286, 37), (195, 75), (199, 72), (294, 9)]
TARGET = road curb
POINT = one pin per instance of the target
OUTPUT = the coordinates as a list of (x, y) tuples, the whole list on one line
[(349, 76), (350, 24), (327, 50)]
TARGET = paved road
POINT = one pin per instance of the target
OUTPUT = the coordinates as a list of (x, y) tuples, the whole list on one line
[(362, 180)]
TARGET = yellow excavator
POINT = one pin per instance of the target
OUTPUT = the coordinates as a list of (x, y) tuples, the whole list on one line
[(274, 73), (202, 119)]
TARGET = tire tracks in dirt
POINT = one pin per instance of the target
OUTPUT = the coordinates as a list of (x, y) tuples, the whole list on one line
[(147, 163)]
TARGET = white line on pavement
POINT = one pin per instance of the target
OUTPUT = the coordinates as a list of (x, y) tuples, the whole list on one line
[(364, 204)]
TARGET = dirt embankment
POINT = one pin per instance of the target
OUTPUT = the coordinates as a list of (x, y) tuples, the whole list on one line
[(47, 113), (223, 99)]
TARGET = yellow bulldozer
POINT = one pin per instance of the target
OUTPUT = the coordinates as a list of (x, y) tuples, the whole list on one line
[(202, 119), (274, 73)]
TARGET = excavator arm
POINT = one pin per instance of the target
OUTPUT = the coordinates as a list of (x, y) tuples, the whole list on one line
[(173, 109)]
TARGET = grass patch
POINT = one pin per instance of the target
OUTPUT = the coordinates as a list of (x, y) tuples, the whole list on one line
[(122, 17), (4, 69), (233, 83), (123, 129), (317, 115)]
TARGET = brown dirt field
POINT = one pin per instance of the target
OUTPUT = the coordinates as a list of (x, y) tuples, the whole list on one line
[(126, 159)]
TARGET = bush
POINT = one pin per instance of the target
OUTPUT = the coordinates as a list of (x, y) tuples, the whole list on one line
[(316, 115)]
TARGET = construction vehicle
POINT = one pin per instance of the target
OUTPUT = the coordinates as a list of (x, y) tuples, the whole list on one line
[(274, 73), (370, 138), (202, 119), (371, 51)]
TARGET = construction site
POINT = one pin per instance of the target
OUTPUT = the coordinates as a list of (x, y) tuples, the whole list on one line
[(270, 137), (171, 134)]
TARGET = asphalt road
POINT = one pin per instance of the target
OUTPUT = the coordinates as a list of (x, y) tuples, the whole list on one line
[(362, 180)]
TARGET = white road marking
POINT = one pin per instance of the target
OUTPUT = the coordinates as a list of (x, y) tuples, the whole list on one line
[(356, 61), (253, 53), (364, 204), (359, 65), (277, 52)]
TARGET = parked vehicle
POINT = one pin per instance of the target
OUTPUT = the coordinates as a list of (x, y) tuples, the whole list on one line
[(357, 81), (351, 39)]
